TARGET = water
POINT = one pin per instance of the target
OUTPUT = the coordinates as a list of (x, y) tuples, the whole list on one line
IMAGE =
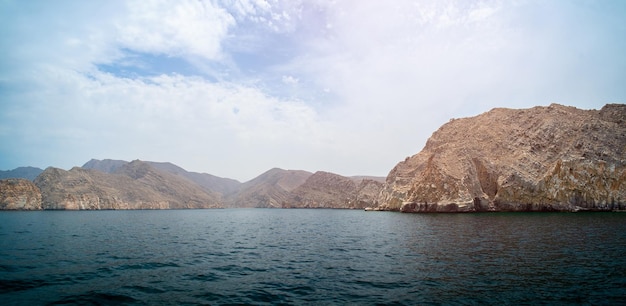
[(272, 256)]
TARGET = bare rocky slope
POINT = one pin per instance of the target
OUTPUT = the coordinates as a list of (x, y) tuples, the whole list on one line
[(19, 194), (135, 185), (329, 190), (280, 188), (270, 189), (211, 183), (554, 158)]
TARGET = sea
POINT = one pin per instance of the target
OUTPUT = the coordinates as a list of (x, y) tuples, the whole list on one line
[(311, 257)]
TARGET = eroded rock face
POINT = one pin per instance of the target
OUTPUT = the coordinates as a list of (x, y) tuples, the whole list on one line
[(554, 158), (19, 194)]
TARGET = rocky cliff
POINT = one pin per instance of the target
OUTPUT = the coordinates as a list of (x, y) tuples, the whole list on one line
[(19, 194), (554, 158), (135, 185)]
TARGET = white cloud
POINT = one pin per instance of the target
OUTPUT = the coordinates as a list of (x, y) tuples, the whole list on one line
[(166, 117), (177, 28), (374, 79)]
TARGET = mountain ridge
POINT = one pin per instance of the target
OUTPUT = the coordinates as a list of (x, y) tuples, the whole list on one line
[(27, 172)]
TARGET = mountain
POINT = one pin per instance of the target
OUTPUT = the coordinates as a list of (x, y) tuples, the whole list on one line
[(270, 189), (212, 183), (329, 190), (554, 158), (105, 165), (209, 182), (29, 173), (134, 185)]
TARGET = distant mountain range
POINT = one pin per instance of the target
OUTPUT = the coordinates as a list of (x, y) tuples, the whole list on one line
[(119, 184), (29, 173)]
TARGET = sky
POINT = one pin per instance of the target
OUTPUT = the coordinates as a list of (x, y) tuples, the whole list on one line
[(236, 87)]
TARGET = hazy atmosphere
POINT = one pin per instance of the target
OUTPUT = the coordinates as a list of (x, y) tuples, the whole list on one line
[(234, 88)]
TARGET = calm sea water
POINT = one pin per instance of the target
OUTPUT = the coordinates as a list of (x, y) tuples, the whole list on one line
[(273, 256)]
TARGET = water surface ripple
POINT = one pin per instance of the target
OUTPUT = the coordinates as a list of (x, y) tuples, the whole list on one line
[(273, 256)]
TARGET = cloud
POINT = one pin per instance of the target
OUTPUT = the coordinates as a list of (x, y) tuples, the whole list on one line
[(166, 117), (289, 80), (234, 88), (180, 28)]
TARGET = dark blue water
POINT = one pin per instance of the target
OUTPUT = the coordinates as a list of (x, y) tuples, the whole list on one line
[(266, 256)]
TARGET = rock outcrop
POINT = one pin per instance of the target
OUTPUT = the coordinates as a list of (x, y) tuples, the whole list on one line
[(19, 194), (135, 185), (554, 158)]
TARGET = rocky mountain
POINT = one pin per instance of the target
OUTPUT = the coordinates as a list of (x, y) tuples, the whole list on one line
[(554, 158), (105, 165), (134, 185), (270, 189), (210, 183), (329, 190), (29, 173), (19, 194)]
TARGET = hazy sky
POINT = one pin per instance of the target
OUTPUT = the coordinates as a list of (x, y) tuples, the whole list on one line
[(234, 88)]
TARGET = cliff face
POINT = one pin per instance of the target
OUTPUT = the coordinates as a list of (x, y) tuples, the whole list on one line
[(553, 158), (19, 194), (135, 185)]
